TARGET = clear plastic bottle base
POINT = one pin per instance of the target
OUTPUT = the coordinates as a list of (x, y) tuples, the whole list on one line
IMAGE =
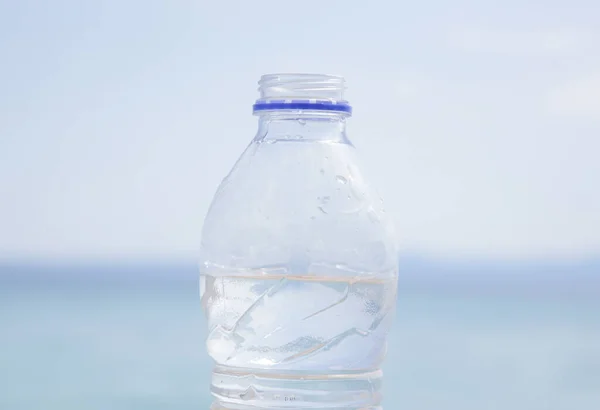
[(239, 389)]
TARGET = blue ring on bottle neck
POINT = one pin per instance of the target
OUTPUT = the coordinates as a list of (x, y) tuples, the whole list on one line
[(314, 105)]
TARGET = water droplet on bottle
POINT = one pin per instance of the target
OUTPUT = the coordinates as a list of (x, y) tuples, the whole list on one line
[(326, 157), (301, 121), (373, 215), (299, 137), (341, 179), (322, 171), (323, 200), (322, 210), (356, 193), (313, 217)]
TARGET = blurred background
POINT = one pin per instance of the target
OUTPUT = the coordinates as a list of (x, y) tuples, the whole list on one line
[(478, 122)]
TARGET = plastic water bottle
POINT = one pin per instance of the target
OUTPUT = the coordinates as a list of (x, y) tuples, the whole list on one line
[(299, 263)]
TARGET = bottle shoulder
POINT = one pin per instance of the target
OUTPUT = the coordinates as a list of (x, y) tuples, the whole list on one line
[(299, 206)]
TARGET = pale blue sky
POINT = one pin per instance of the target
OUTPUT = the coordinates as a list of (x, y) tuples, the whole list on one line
[(479, 122)]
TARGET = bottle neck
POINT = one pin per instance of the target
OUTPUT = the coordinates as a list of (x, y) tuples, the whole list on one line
[(314, 126)]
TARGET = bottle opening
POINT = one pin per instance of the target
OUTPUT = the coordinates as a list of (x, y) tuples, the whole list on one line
[(315, 92)]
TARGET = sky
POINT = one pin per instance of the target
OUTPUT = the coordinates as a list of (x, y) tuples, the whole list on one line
[(478, 121)]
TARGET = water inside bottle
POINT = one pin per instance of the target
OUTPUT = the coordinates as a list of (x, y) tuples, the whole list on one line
[(298, 339)]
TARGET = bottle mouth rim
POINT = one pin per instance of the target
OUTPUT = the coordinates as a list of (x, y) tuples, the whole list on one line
[(311, 78), (302, 91)]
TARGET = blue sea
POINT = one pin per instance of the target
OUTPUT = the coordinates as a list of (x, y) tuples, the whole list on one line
[(467, 336)]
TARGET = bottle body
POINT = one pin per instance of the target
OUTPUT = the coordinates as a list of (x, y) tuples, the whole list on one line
[(299, 272)]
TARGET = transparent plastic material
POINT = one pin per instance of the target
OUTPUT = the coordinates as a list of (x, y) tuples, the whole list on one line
[(299, 262)]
